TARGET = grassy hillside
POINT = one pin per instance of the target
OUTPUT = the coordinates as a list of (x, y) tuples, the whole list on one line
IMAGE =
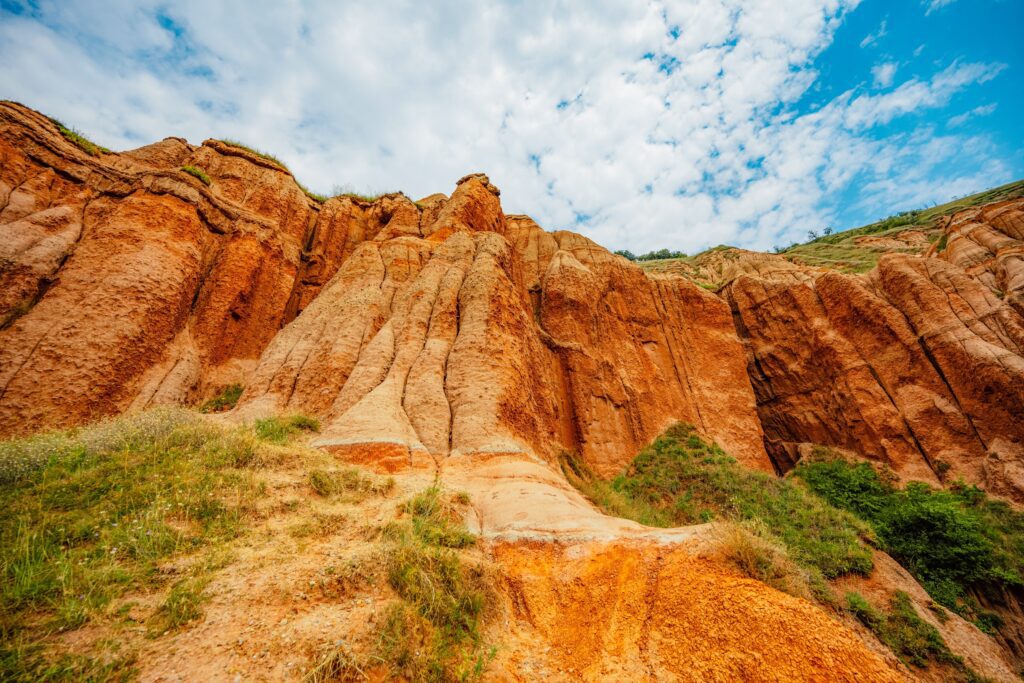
[(841, 251), (847, 251)]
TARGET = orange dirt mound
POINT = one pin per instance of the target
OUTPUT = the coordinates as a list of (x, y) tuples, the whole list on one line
[(647, 612)]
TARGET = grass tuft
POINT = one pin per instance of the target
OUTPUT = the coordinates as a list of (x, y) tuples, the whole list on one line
[(260, 153), (335, 663), (754, 551), (197, 172), (225, 400), (349, 481), (433, 632), (82, 142), (279, 430)]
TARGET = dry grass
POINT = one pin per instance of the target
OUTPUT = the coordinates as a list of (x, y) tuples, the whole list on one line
[(750, 548)]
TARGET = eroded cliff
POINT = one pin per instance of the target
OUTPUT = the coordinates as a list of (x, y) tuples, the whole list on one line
[(442, 337)]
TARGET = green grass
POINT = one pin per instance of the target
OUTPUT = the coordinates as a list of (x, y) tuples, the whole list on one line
[(680, 479), (198, 173), (926, 218), (433, 633), (349, 481), (280, 429), (28, 663), (225, 400), (258, 152), (902, 630), (315, 196), (953, 541), (82, 142), (90, 514), (349, 191)]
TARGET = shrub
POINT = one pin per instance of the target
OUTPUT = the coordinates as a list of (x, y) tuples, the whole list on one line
[(197, 172), (660, 254), (225, 400), (910, 637), (951, 541), (680, 479), (433, 633)]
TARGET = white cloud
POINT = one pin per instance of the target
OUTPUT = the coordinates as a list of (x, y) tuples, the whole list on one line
[(872, 38), (982, 110), (643, 125), (884, 73), (934, 5)]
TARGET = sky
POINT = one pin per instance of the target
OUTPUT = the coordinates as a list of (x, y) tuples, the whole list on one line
[(643, 125)]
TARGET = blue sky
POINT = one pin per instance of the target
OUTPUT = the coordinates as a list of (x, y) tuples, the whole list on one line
[(640, 124)]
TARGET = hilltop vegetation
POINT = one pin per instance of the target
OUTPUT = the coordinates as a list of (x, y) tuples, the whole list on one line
[(841, 250)]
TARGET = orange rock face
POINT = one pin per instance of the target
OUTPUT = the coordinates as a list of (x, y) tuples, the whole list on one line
[(440, 327), (988, 243), (445, 327), (916, 365)]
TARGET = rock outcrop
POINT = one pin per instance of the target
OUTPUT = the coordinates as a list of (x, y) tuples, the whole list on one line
[(437, 327), (915, 365), (987, 242)]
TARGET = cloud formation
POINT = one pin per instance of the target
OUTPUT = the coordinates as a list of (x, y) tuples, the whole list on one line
[(934, 5), (641, 124), (884, 74)]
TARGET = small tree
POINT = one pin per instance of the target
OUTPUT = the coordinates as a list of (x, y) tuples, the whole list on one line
[(827, 231), (812, 235), (627, 253)]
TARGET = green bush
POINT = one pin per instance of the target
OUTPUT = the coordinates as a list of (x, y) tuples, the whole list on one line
[(680, 479), (433, 633), (225, 400), (951, 541), (197, 172), (910, 637)]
